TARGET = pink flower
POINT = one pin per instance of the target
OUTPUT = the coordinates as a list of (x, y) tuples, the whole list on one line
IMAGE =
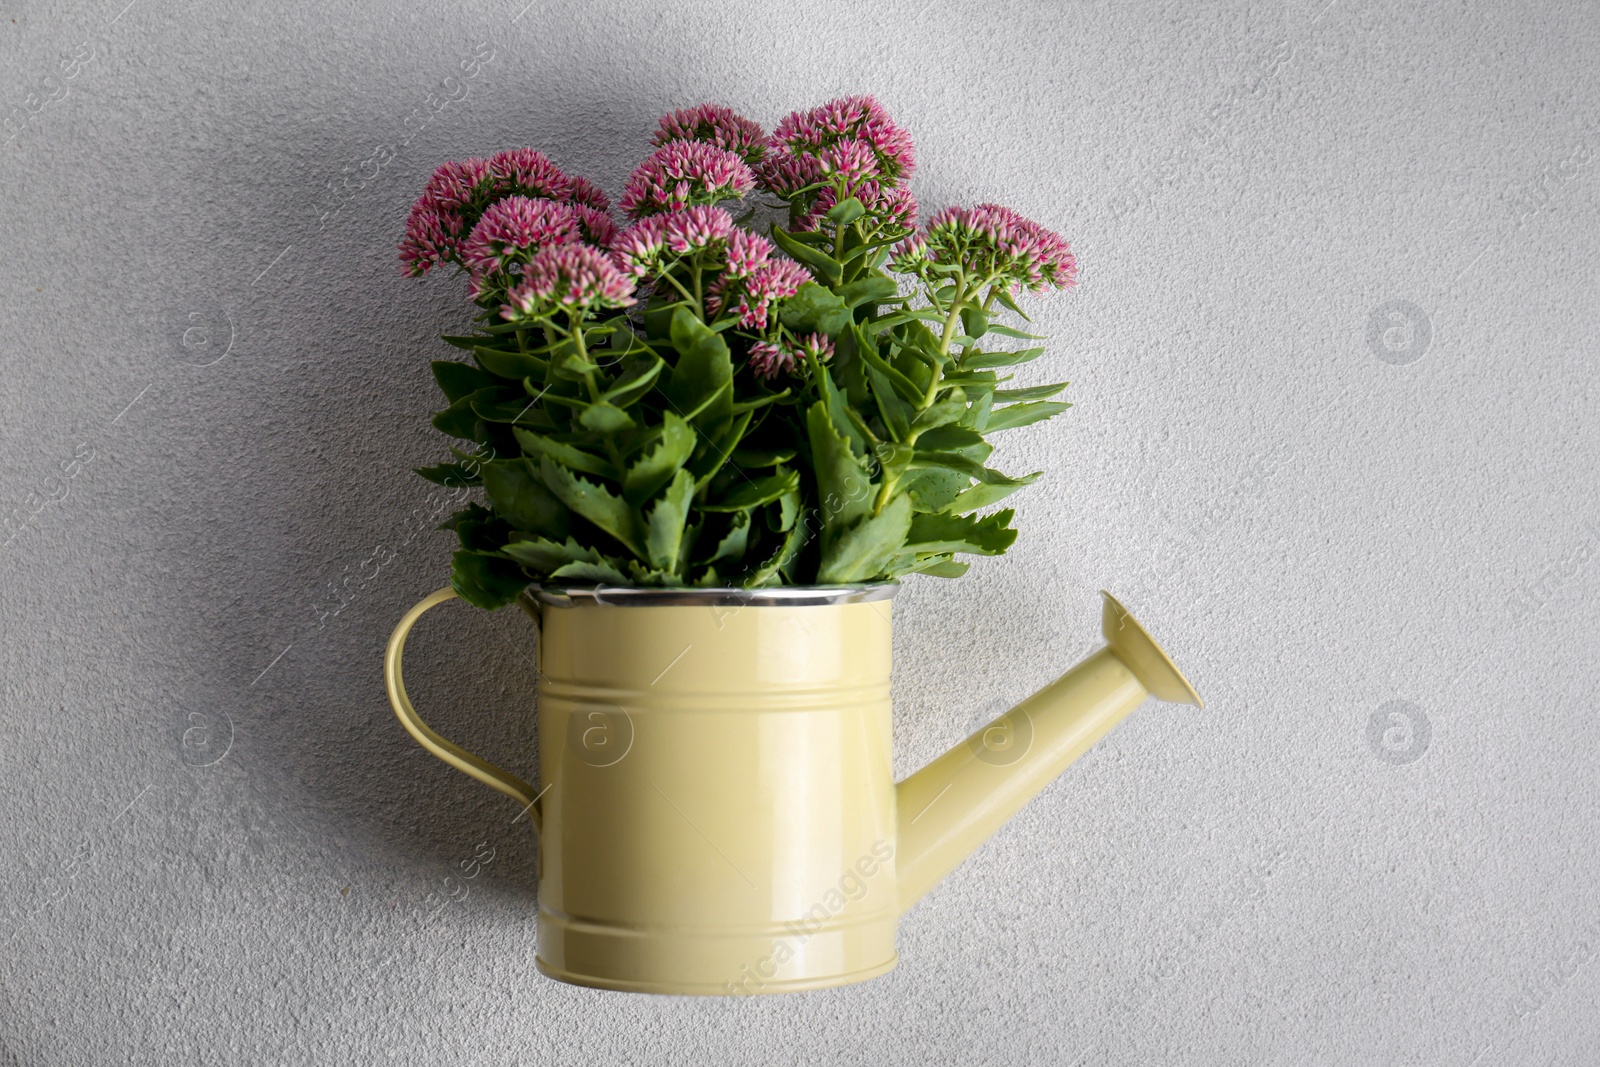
[(648, 244), (526, 172), (859, 118), (594, 225), (573, 277), (684, 173), (891, 210), (769, 359), (746, 252), (457, 185), (785, 173), (751, 298), (851, 161), (587, 193), (514, 229), (432, 237), (995, 245), (716, 125)]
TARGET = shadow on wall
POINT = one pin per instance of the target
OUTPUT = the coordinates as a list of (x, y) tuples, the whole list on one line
[(313, 523)]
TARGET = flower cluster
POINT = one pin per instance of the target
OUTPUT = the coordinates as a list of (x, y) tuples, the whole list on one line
[(570, 277), (993, 245), (845, 148), (681, 174), (444, 220), (715, 125), (768, 359), (749, 299)]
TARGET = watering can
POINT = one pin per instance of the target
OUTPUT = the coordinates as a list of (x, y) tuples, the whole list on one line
[(718, 812)]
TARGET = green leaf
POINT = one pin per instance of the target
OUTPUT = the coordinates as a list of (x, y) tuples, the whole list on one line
[(488, 582), (819, 262), (733, 542), (520, 496), (1006, 331), (605, 418), (940, 414), (1015, 415), (846, 211), (938, 566), (979, 360), (903, 386), (767, 573), (478, 529), (951, 439), (635, 382), (990, 535), (956, 462), (974, 322), (752, 494), (865, 549), (594, 502), (457, 380), (459, 420), (598, 573), (452, 475), (814, 308), (844, 489), (1033, 392), (714, 456), (664, 522), (873, 288), (896, 412), (701, 387), (656, 467), (545, 555), (1004, 297), (536, 444), (982, 495), (750, 458), (510, 364)]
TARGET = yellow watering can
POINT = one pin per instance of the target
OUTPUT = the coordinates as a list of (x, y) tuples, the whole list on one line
[(718, 812)]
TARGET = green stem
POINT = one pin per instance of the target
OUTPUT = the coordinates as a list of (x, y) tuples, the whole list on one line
[(936, 375), (576, 324)]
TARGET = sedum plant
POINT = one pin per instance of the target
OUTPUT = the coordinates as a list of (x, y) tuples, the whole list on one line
[(698, 399)]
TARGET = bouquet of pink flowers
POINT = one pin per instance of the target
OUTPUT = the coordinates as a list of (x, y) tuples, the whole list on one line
[(687, 401)]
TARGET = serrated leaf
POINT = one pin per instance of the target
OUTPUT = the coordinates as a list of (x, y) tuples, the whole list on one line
[(605, 418), (903, 387), (865, 549), (752, 494), (1015, 415), (594, 502), (1033, 392), (457, 380), (598, 573), (1007, 331), (459, 420), (824, 266), (714, 456), (451, 475), (990, 535), (656, 467), (545, 555), (952, 439), (814, 309), (767, 573), (983, 495), (751, 458), (520, 496), (485, 581), (478, 529), (664, 522), (844, 489), (701, 386), (635, 382), (734, 542), (537, 444), (938, 567)]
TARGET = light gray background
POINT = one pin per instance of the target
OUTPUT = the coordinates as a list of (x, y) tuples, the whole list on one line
[(219, 847)]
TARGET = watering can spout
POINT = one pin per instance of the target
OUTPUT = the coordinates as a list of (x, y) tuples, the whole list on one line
[(955, 803)]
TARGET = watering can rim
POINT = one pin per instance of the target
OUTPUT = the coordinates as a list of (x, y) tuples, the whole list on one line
[(787, 596)]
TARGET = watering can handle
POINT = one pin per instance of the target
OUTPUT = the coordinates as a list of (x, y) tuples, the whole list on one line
[(453, 754)]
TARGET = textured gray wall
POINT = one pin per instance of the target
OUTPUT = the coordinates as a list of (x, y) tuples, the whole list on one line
[(1335, 443)]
